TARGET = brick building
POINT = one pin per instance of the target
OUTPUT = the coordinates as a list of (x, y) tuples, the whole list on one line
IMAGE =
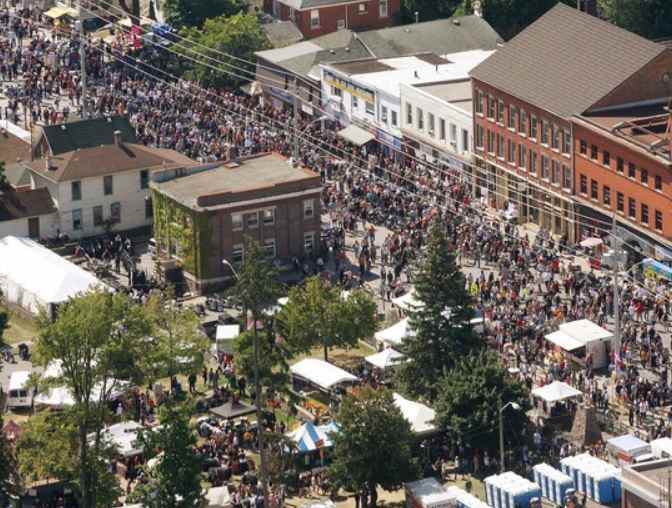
[(319, 17), (202, 215), (527, 95)]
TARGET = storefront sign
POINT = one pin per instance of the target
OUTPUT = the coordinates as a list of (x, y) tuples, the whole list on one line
[(388, 138)]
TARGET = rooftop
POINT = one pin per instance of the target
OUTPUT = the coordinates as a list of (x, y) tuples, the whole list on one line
[(311, 4), (282, 33), (220, 185), (21, 204), (67, 137), (12, 148), (457, 93), (566, 71)]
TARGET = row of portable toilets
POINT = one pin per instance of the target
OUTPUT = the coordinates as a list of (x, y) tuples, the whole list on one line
[(599, 480)]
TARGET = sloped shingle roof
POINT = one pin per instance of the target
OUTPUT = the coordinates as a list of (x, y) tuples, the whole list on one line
[(566, 61), (31, 203), (82, 134)]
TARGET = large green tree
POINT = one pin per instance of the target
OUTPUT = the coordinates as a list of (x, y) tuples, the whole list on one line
[(175, 480), (469, 397), (443, 333), (234, 40), (318, 314), (10, 480), (649, 18), (373, 447), (181, 13), (96, 339), (273, 366)]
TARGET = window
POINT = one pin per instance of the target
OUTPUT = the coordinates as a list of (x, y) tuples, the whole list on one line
[(361, 8), (76, 190), (644, 176), (556, 175), (631, 170), (115, 213), (314, 18), (479, 102), (453, 135), (269, 248), (479, 137), (308, 209), (593, 189), (522, 159), (619, 165), (566, 142), (606, 158), (593, 152), (659, 220), (491, 107), (533, 127), (252, 220), (500, 146), (544, 132), (533, 162), (108, 185), (409, 114), (522, 124), (500, 111), (465, 140), (237, 254), (421, 118), (430, 122), (144, 179), (308, 244), (545, 167), (383, 114), (555, 137), (149, 208), (583, 147), (491, 142), (269, 217), (632, 208), (369, 108), (395, 121), (513, 117), (606, 196), (97, 215), (336, 91), (442, 129), (658, 182), (583, 186), (566, 177), (510, 152), (383, 9), (355, 102), (645, 214), (237, 221), (620, 202)]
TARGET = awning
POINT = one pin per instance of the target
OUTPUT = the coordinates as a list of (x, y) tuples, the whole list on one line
[(566, 342), (356, 135), (59, 12)]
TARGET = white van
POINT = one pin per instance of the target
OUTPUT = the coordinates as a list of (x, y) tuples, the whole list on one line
[(18, 394)]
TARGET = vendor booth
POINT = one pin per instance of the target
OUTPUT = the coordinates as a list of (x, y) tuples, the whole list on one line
[(420, 417), (124, 437), (583, 338), (395, 334), (408, 302), (556, 398), (320, 374), (388, 357), (628, 449)]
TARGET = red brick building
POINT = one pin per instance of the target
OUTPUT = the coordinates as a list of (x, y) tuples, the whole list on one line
[(528, 100), (319, 17)]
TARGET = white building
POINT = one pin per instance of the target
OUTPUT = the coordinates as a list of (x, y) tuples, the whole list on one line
[(27, 213), (368, 92)]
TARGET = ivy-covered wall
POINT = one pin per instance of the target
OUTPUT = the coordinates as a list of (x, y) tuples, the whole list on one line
[(174, 231)]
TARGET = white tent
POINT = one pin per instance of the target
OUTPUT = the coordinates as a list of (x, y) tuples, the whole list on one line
[(323, 374), (388, 357), (555, 392), (225, 336), (420, 417), (564, 341), (583, 333), (218, 497), (395, 334), (34, 277), (124, 437), (408, 302)]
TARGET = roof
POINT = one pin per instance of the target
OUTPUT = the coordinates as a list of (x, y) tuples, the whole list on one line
[(419, 416), (323, 374), (629, 443), (451, 91), (450, 35), (585, 331), (12, 148), (67, 137), (311, 4), (566, 71), (386, 358), (21, 204), (555, 392), (396, 333), (282, 33), (106, 160), (255, 173)]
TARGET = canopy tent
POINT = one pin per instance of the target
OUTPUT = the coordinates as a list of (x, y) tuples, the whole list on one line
[(629, 444), (662, 447), (310, 437), (124, 436), (225, 336), (418, 415), (388, 357), (396, 333), (59, 12), (322, 374), (128, 23), (34, 277), (586, 331), (408, 301), (356, 135), (218, 497), (591, 242), (556, 391), (564, 341), (233, 409)]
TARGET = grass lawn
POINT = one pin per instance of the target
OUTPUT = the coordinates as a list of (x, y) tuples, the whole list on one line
[(21, 328)]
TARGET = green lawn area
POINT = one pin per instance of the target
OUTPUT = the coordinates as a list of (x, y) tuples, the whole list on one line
[(21, 328)]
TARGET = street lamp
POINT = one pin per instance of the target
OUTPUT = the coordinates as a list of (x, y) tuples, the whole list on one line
[(226, 262), (515, 406)]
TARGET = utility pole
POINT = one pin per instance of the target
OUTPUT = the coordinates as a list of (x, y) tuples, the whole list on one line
[(295, 150), (617, 304), (501, 436), (82, 57)]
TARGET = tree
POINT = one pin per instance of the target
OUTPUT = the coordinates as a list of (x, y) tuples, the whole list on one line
[(96, 339), (273, 367), (239, 35), (257, 288), (373, 447), (4, 183), (317, 314), (175, 480), (649, 18), (181, 13), (10, 481), (443, 333), (469, 398), (428, 9)]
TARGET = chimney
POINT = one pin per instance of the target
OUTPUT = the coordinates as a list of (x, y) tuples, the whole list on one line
[(117, 138)]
